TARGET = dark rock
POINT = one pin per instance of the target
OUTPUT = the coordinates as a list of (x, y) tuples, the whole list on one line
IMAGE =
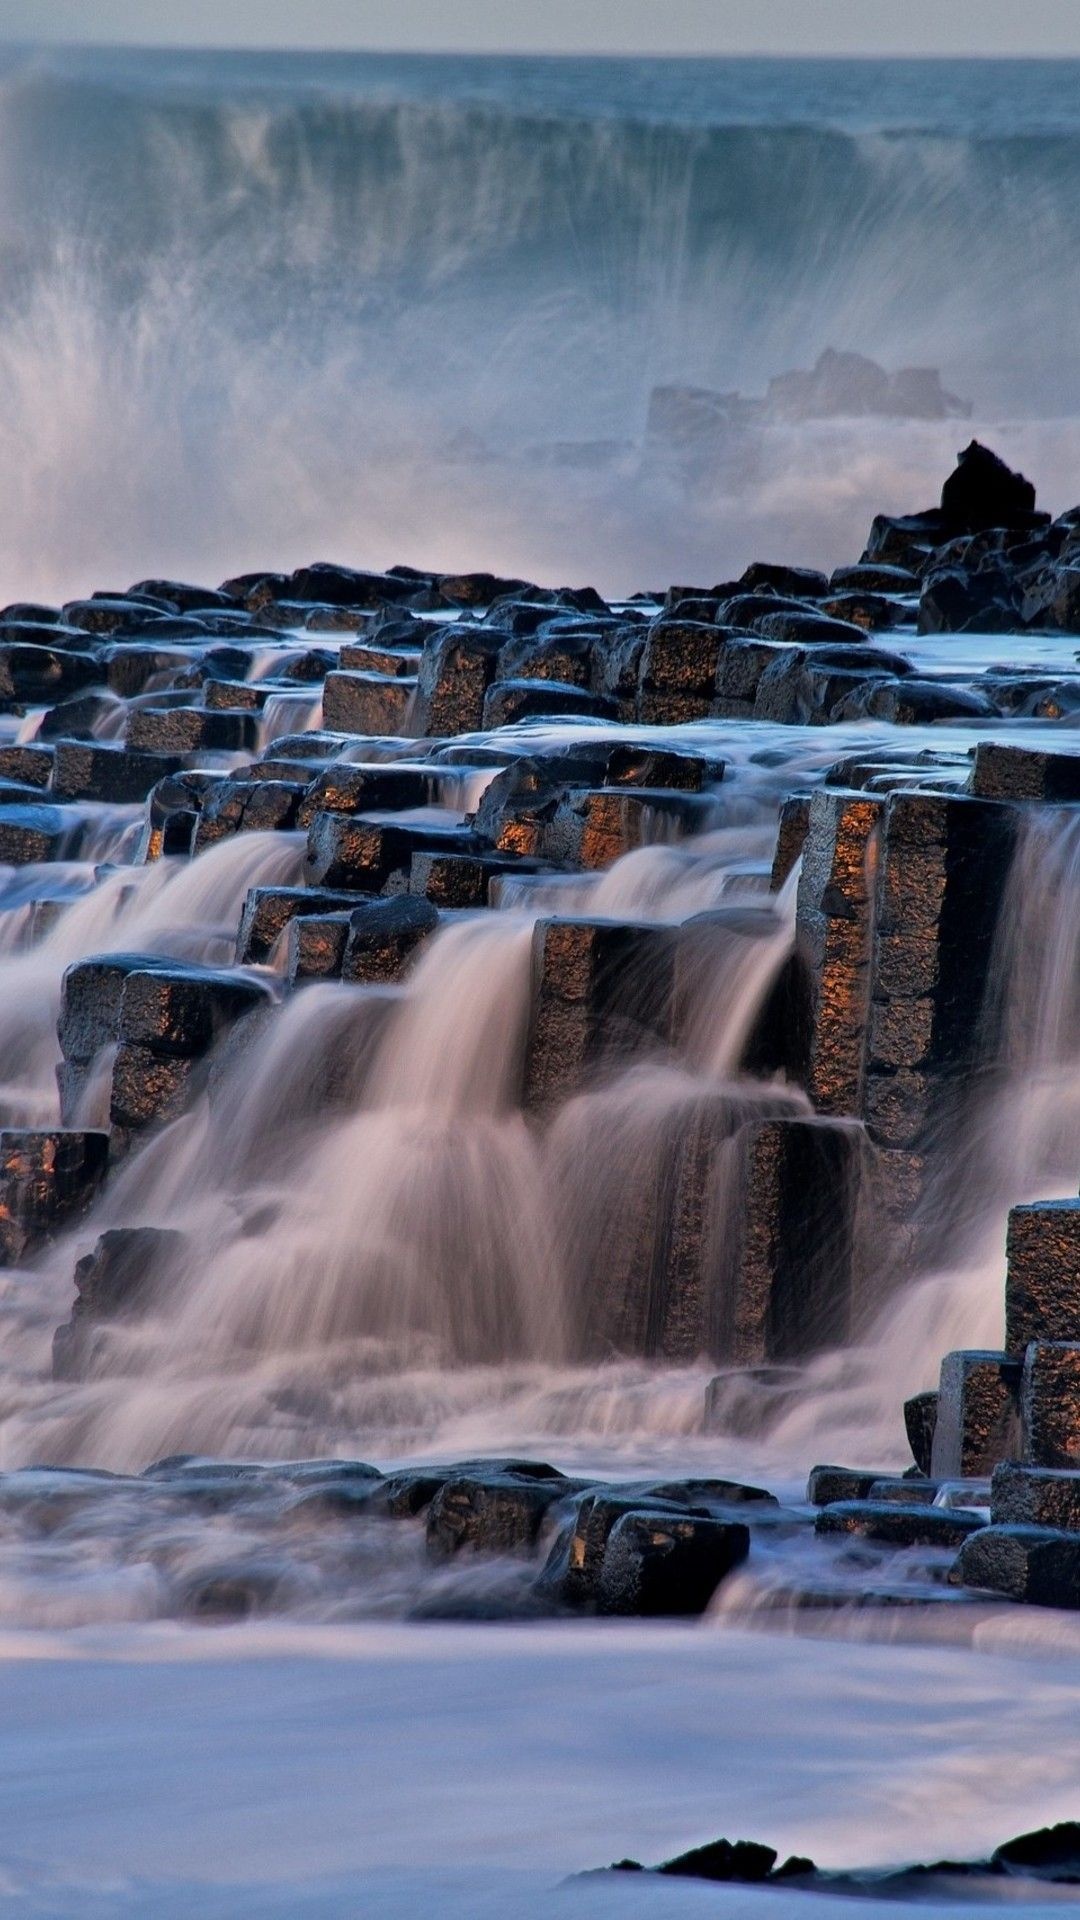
[(898, 1526), (805, 629), (148, 1088), (247, 806), (508, 701), (655, 1565), (1050, 1404), (268, 911), (977, 1414), (107, 771), (801, 582), (918, 703), (31, 834), (315, 946), (874, 579), (179, 1011), (920, 1420), (353, 850), (37, 675), (742, 1861), (189, 729), (461, 880), (126, 1269), (46, 1178), (1034, 1564), (1035, 1497), (456, 670), (78, 718), (367, 703), (1042, 1288), (383, 937), (601, 990), (828, 1486), (28, 766), (1003, 772), (982, 491), (343, 788), (500, 1514)]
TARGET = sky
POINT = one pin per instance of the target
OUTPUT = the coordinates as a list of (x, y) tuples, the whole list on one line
[(965, 27)]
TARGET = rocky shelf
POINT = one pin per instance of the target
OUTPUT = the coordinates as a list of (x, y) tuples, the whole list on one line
[(420, 795)]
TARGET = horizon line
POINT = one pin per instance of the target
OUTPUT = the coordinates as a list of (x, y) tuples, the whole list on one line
[(538, 53)]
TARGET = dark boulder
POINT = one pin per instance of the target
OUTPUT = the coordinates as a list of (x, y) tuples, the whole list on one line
[(383, 937), (982, 491), (656, 1565)]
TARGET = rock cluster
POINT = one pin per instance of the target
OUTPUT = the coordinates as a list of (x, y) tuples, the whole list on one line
[(860, 1057), (1028, 1863)]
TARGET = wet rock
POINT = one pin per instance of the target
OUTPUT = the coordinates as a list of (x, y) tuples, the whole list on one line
[(315, 946), (803, 583), (1003, 772), (267, 912), (126, 1270), (501, 1514), (333, 586), (806, 629), (106, 613), (478, 589), (107, 771), (1035, 1497), (680, 656), (891, 1524), (827, 1486), (27, 766), (785, 1273), (955, 601), (915, 703), (456, 670), (462, 880), (508, 701), (410, 1491), (978, 1414), (741, 666), (601, 990), (790, 838), (190, 729), (1042, 1288), (835, 917), (383, 938), (655, 1565), (36, 675), (920, 1420), (379, 656), (942, 869), (354, 851), (867, 578), (1032, 1564), (247, 806), (46, 1178), (180, 1011), (182, 595), (1050, 1404), (342, 788), (148, 1088), (31, 834), (367, 703)]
